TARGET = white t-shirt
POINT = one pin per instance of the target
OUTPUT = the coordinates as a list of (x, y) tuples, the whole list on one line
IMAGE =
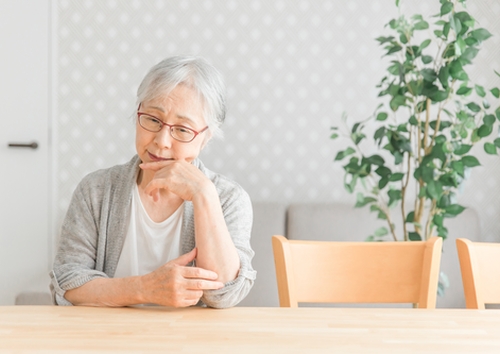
[(148, 244)]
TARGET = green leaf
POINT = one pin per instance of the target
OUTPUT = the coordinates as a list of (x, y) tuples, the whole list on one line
[(470, 161), (439, 96), (421, 25), (414, 236), (458, 167), (426, 59), (381, 231), (480, 90), (334, 136), (464, 91), (383, 171), (484, 130), (444, 75), (446, 29), (463, 149), (424, 44), (454, 209), (382, 116), (446, 8), (497, 112), (379, 134), (459, 46), (361, 201), (397, 101), (349, 186), (434, 189), (468, 55), (489, 119), (455, 24), (394, 195), (438, 220), (480, 34), (497, 142), (473, 107), (490, 148), (428, 75), (457, 71), (376, 160), (393, 49), (495, 92), (410, 217), (383, 182), (415, 87), (383, 40), (344, 153), (398, 176)]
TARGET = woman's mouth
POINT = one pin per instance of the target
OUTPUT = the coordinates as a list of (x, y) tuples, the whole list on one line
[(155, 158)]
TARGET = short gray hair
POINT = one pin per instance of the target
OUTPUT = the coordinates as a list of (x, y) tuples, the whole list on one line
[(194, 72)]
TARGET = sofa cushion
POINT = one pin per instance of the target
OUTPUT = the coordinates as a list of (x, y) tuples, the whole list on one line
[(268, 220)]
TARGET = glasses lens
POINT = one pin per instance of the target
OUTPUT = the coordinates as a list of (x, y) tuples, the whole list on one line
[(182, 133), (149, 123)]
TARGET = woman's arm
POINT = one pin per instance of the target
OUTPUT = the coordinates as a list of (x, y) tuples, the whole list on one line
[(216, 250), (173, 284)]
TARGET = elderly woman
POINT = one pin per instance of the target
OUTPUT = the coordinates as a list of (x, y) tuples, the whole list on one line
[(161, 229)]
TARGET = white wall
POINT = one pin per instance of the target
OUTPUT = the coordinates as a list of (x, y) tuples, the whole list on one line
[(292, 68)]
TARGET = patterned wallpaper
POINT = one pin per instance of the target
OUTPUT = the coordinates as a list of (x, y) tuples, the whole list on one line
[(292, 68)]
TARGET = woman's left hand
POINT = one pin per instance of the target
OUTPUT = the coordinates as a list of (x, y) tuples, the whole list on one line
[(177, 176)]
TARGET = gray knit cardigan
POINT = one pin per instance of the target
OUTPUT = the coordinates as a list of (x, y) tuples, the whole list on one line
[(96, 223)]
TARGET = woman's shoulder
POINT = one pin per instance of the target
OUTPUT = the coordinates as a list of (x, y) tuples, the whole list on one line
[(117, 174)]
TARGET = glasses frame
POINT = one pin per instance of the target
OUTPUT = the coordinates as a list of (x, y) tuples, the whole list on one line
[(170, 126)]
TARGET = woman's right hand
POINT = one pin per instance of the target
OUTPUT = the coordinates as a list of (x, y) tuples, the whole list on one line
[(177, 285)]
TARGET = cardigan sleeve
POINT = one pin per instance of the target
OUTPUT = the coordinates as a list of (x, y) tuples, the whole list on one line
[(75, 261)]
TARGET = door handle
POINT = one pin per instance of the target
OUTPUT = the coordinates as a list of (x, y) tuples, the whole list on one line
[(33, 145)]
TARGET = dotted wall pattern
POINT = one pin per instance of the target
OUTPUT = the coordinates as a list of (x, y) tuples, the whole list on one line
[(292, 68)]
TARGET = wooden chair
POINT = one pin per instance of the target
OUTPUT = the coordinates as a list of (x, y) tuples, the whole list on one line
[(357, 272), (480, 267)]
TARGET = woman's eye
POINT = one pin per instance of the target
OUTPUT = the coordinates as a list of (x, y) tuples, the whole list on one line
[(154, 120)]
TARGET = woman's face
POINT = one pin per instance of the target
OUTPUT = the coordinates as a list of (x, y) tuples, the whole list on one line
[(181, 107)]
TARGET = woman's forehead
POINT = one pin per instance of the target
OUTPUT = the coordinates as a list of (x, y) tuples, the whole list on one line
[(185, 101)]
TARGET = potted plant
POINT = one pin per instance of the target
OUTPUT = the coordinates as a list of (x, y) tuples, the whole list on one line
[(430, 117)]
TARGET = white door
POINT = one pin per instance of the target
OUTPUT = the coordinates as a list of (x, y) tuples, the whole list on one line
[(24, 119)]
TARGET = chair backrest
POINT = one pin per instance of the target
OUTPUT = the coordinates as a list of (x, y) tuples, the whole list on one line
[(357, 272), (480, 267)]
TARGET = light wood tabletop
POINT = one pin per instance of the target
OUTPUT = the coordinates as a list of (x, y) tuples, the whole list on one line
[(52, 329)]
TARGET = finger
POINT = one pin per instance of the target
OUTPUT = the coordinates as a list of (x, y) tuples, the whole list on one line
[(155, 194), (186, 258), (156, 165), (200, 284), (154, 187), (198, 273)]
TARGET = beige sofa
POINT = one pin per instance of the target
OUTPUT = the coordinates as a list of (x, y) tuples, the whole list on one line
[(325, 221)]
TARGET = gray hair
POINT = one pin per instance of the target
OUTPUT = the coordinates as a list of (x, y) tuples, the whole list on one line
[(194, 72)]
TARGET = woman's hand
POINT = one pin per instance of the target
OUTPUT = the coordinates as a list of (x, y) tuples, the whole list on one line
[(175, 284), (177, 176)]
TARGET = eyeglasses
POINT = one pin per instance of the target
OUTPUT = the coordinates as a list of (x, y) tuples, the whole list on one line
[(178, 132)]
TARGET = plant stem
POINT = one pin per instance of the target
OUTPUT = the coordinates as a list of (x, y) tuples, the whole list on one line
[(403, 194), (426, 127), (391, 227), (428, 228)]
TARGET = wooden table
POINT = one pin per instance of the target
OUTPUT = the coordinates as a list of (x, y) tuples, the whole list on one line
[(51, 329)]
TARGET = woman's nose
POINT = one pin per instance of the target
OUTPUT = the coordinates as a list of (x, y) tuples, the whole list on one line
[(163, 138)]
